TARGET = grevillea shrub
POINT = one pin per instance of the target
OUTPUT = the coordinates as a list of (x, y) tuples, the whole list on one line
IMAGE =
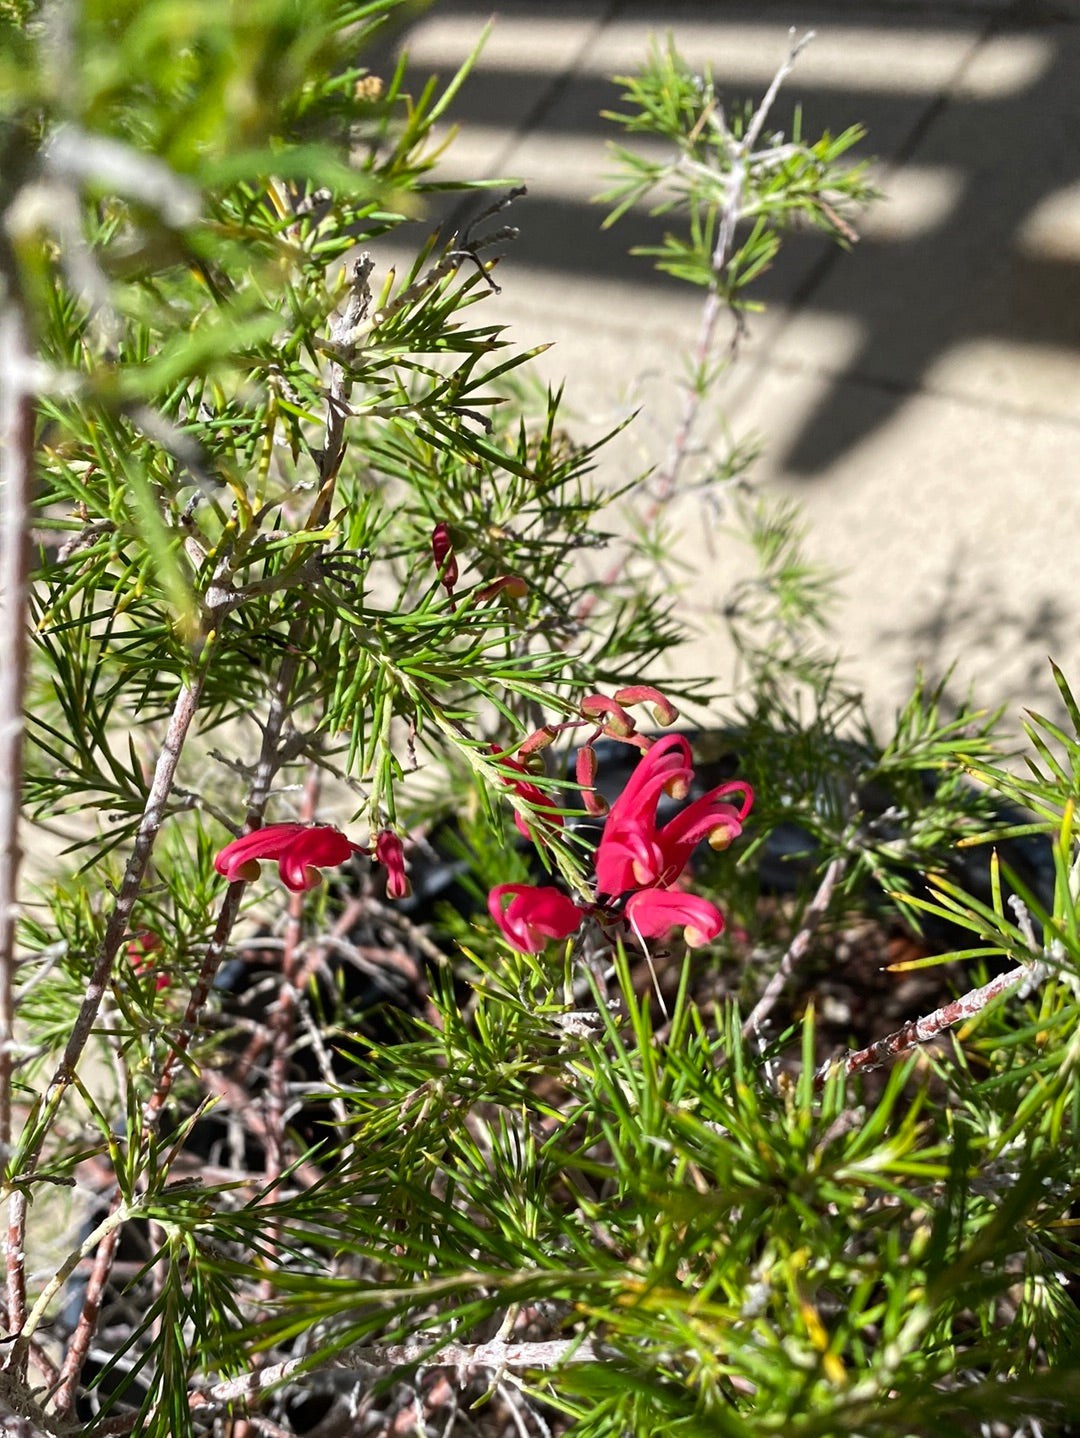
[(371, 1043)]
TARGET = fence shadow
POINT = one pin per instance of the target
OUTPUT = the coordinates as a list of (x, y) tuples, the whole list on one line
[(966, 278)]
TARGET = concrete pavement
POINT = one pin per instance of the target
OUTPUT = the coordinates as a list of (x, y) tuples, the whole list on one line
[(919, 396)]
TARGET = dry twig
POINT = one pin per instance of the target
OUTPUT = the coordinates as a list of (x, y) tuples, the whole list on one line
[(927, 1028)]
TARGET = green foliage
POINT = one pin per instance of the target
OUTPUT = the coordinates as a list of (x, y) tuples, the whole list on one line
[(246, 434), (725, 175)]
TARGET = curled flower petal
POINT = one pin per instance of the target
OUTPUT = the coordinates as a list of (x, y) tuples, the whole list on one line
[(611, 714), (630, 858), (631, 853), (665, 767), (390, 853), (239, 860), (320, 847), (655, 912), (534, 916), (663, 711), (301, 850), (710, 817), (634, 851)]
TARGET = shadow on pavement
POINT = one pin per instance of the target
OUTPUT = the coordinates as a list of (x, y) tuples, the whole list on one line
[(970, 277)]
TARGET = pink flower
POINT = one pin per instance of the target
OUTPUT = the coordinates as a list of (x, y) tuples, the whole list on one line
[(389, 853), (655, 912), (633, 852), (533, 916), (301, 850)]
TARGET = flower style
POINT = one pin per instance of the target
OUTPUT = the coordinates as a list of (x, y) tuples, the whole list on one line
[(534, 915), (301, 850)]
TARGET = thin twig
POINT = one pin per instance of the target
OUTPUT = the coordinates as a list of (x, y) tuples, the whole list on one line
[(376, 1358), (109, 1224), (665, 482), (181, 1041), (815, 912), (693, 394), (117, 927), (78, 1348), (16, 481), (282, 1018), (761, 114), (922, 1031)]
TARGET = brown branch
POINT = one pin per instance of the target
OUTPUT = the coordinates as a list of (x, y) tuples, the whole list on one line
[(116, 929), (79, 1346), (181, 1041)]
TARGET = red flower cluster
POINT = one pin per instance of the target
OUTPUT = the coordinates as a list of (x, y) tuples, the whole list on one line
[(638, 858), (601, 714)]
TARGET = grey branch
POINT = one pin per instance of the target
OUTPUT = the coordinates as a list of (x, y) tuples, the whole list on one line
[(930, 1026), (16, 489), (741, 156), (368, 1361)]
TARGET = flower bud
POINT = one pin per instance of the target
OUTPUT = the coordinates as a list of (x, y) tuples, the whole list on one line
[(508, 586), (140, 950), (663, 711), (390, 853), (614, 718), (537, 740), (442, 549), (585, 767)]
